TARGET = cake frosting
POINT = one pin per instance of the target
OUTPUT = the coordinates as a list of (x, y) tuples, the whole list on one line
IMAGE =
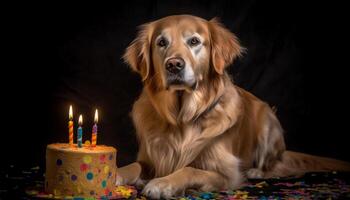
[(85, 172)]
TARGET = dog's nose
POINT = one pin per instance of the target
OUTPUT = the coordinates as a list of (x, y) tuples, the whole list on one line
[(175, 65)]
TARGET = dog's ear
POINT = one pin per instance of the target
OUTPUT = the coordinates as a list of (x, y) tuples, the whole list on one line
[(137, 55), (225, 46)]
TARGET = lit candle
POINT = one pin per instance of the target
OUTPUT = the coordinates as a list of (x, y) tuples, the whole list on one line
[(94, 130), (80, 132), (70, 126)]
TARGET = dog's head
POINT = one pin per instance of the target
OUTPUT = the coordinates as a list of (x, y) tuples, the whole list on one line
[(178, 52)]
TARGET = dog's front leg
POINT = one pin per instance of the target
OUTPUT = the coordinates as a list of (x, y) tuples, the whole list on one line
[(188, 177), (129, 175)]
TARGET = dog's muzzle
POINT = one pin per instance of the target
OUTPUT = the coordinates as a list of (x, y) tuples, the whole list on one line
[(179, 76), (175, 65)]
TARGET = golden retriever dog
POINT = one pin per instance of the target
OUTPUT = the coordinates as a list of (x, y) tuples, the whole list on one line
[(195, 128)]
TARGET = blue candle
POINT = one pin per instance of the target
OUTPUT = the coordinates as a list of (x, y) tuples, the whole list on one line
[(80, 132)]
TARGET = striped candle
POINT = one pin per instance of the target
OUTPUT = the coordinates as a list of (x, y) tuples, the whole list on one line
[(80, 132), (94, 130), (70, 126)]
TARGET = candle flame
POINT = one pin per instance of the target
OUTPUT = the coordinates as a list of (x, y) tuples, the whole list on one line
[(70, 112), (96, 117), (80, 121)]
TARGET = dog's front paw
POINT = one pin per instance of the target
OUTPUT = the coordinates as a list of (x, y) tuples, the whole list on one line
[(119, 180), (140, 183), (160, 188), (255, 173)]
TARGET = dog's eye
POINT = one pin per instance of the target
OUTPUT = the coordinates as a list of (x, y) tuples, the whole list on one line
[(194, 41), (162, 42)]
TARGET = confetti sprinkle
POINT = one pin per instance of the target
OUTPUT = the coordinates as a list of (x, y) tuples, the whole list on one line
[(261, 184), (206, 195), (311, 186), (124, 191)]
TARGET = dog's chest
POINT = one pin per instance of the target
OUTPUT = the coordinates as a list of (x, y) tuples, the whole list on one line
[(167, 149)]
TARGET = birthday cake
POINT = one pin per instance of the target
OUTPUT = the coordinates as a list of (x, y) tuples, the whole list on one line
[(84, 172)]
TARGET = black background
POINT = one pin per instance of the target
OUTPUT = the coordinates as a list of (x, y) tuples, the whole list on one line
[(57, 55)]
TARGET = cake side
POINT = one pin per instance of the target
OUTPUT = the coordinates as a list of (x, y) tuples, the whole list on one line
[(85, 172)]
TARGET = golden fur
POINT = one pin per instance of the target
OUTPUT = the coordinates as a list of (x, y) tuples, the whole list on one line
[(209, 137)]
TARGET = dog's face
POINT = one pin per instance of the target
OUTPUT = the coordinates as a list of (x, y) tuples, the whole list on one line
[(178, 52)]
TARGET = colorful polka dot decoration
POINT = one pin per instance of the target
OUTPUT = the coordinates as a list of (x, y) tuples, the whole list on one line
[(89, 176), (80, 172), (58, 162), (104, 183), (87, 159), (106, 169), (107, 192), (74, 177), (83, 167), (103, 158)]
